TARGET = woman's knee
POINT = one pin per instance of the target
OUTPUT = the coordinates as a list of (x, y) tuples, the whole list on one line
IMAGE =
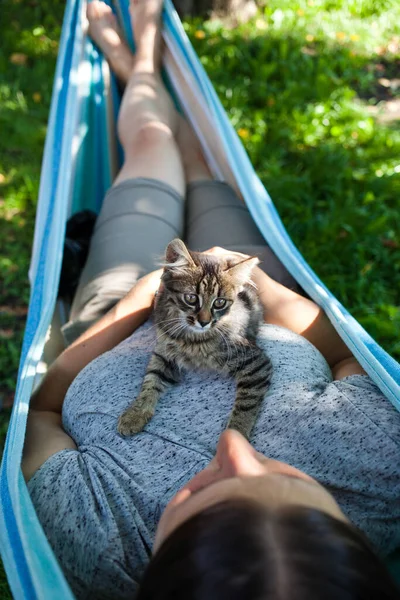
[(145, 137)]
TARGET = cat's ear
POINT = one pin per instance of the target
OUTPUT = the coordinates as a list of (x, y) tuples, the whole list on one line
[(177, 255), (241, 271)]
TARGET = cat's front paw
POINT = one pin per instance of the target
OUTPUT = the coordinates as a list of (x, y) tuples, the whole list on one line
[(133, 420), (241, 425)]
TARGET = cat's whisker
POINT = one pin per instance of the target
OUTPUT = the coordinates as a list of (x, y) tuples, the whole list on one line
[(175, 329), (165, 330), (224, 339), (237, 347), (227, 347), (230, 346), (169, 320), (163, 333), (155, 325), (251, 282)]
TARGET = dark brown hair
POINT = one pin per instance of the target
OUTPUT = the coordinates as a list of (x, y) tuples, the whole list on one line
[(239, 550)]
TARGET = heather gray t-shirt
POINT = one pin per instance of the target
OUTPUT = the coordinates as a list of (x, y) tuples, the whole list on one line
[(100, 505)]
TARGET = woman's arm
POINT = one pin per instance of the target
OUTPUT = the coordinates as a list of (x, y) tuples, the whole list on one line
[(120, 322), (45, 435), (288, 309)]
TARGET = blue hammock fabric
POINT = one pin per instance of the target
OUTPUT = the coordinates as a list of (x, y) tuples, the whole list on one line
[(78, 166)]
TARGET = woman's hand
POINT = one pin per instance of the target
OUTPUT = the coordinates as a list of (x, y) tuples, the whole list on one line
[(218, 251), (259, 278)]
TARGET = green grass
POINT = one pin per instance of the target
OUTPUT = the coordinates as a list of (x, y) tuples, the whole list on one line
[(301, 83)]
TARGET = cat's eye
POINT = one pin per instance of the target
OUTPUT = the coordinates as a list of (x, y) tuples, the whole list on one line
[(190, 299), (219, 303)]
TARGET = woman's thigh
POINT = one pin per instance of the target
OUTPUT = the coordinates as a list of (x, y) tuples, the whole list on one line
[(217, 217), (138, 219)]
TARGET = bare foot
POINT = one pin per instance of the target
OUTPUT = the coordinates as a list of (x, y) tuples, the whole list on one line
[(104, 31), (146, 25)]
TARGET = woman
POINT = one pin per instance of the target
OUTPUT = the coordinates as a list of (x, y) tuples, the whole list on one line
[(224, 518)]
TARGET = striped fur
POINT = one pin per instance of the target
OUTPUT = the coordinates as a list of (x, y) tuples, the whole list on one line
[(207, 316)]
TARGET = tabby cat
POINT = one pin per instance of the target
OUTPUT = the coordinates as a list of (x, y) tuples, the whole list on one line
[(207, 315)]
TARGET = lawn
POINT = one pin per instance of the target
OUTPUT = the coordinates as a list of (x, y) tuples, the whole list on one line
[(312, 87)]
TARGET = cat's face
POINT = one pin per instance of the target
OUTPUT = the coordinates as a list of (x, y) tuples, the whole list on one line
[(200, 289), (201, 296)]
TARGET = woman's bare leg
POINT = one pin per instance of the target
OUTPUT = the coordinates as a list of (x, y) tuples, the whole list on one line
[(147, 121), (194, 163), (103, 28)]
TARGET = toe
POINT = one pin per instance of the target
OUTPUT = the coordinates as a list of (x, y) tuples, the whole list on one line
[(97, 10)]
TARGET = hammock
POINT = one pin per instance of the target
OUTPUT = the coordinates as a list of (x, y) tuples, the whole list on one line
[(80, 160)]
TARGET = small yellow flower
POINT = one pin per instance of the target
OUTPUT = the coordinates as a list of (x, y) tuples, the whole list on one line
[(18, 58), (340, 36), (37, 97), (243, 133), (300, 12), (2, 178), (199, 34), (354, 135), (354, 37), (366, 268), (310, 38), (310, 2)]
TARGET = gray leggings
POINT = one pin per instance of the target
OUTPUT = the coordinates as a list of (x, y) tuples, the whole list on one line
[(138, 219)]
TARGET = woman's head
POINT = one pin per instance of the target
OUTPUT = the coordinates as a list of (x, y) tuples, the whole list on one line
[(252, 528), (240, 550)]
